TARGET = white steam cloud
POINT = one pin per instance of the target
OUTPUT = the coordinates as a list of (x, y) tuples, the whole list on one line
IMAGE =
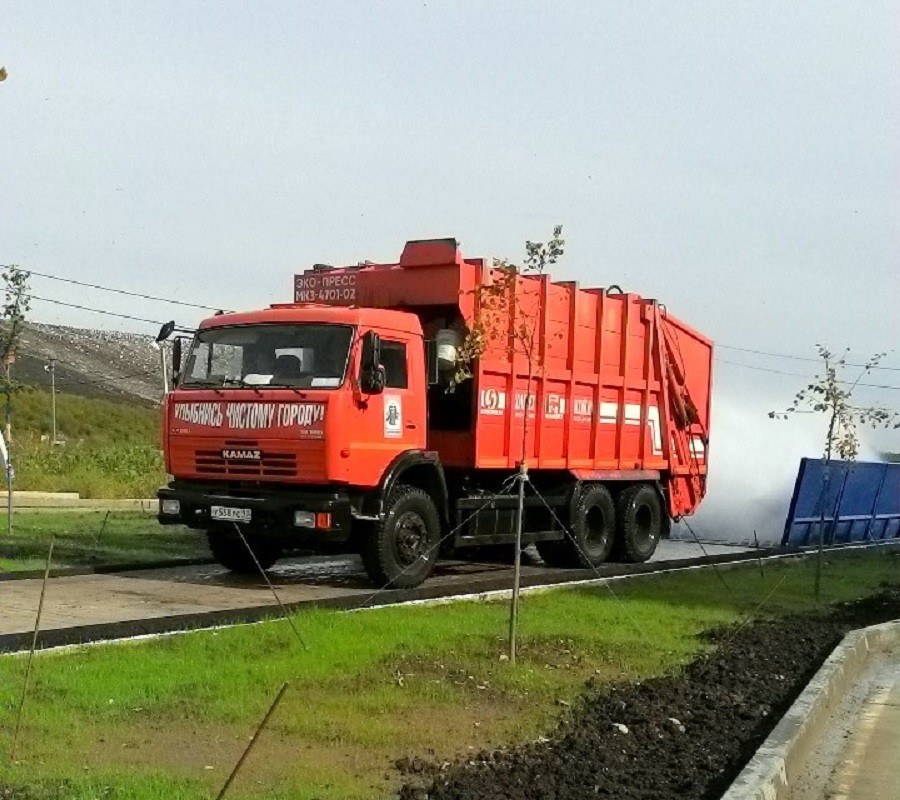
[(752, 469)]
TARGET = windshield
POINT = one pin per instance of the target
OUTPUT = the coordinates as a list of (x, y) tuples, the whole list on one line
[(303, 356)]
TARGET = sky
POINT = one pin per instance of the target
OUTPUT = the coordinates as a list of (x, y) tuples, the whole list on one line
[(737, 161)]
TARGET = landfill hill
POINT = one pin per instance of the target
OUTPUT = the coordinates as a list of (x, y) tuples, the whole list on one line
[(90, 363)]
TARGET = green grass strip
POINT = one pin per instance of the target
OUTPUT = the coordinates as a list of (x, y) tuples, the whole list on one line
[(169, 717)]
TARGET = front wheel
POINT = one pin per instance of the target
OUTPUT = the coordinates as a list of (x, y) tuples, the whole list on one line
[(641, 523), (231, 552), (400, 551)]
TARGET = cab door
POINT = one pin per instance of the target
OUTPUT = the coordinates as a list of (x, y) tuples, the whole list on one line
[(403, 400), (391, 422)]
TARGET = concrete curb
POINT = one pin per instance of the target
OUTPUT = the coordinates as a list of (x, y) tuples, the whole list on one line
[(769, 773), (45, 501)]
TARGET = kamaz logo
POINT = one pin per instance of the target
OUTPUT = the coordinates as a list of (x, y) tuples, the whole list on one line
[(242, 455)]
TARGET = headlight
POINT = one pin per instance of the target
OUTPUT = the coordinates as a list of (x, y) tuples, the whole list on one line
[(171, 507), (304, 519)]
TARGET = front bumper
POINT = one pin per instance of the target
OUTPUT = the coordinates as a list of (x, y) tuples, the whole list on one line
[(271, 513)]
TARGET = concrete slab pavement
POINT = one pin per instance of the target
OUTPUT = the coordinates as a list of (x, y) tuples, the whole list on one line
[(170, 593), (869, 767)]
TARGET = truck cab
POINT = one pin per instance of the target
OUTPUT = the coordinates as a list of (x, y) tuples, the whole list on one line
[(284, 425)]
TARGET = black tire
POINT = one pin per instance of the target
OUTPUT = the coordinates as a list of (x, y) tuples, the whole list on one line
[(401, 550), (641, 523), (593, 526), (231, 552)]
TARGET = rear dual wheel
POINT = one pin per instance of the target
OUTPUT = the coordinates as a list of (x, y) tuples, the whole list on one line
[(641, 523), (592, 532), (628, 529)]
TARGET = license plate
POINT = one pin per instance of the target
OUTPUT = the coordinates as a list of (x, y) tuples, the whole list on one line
[(230, 514)]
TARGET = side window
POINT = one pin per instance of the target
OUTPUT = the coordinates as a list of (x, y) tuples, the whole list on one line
[(393, 359), (197, 367)]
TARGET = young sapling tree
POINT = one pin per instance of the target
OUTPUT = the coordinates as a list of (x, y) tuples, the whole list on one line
[(507, 313), (832, 396)]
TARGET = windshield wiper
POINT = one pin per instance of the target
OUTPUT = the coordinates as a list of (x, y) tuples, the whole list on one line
[(241, 384), (201, 384), (299, 390)]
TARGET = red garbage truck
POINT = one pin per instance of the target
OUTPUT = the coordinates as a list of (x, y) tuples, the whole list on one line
[(338, 421)]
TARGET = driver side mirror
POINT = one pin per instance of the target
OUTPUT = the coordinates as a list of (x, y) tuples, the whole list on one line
[(371, 373), (165, 332)]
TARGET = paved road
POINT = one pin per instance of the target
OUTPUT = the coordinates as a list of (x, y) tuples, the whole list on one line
[(857, 757), (870, 767), (97, 600)]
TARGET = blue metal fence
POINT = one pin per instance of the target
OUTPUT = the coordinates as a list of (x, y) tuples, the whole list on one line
[(856, 501)]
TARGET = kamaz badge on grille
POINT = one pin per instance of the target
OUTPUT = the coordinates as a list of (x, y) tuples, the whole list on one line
[(241, 455)]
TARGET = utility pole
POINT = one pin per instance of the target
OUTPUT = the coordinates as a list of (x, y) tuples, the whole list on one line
[(51, 368), (7, 435)]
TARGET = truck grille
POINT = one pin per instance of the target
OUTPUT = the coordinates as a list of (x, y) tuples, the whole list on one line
[(269, 465)]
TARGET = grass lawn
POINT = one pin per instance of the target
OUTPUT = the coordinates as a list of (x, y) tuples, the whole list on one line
[(168, 718), (91, 468), (93, 538), (112, 448)]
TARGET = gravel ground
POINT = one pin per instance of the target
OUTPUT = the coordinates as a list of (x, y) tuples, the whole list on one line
[(681, 736)]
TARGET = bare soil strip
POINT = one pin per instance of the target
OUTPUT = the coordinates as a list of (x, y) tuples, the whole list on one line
[(682, 736)]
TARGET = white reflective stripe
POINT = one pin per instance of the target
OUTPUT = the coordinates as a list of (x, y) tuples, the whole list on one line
[(609, 413), (632, 413), (493, 401), (655, 428)]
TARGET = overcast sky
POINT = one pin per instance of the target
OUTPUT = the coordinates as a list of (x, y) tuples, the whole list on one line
[(738, 161)]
